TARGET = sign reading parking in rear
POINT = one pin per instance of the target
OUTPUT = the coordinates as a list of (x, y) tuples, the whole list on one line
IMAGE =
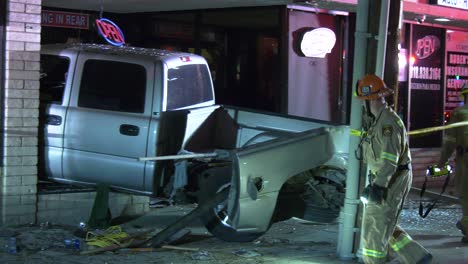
[(64, 19)]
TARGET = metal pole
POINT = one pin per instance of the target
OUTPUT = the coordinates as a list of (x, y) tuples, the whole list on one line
[(382, 38), (348, 227), (348, 214)]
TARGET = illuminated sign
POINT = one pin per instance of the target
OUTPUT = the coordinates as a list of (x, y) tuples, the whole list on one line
[(452, 3), (427, 46), (64, 19), (110, 32), (318, 42)]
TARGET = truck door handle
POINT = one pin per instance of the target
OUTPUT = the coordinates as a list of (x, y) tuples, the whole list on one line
[(53, 120), (129, 130)]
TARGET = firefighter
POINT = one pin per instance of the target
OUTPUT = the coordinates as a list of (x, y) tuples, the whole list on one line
[(385, 150), (456, 139)]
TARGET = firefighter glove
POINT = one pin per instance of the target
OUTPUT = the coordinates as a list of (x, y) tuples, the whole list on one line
[(374, 193)]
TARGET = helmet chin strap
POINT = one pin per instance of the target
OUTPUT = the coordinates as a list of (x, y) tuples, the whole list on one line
[(368, 118), (368, 109)]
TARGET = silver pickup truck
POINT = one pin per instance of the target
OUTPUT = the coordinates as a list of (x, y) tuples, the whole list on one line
[(103, 109)]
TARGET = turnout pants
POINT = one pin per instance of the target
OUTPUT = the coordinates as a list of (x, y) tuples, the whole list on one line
[(380, 230), (461, 181)]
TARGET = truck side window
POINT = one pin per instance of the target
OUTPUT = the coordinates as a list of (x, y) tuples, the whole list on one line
[(53, 77), (114, 86), (188, 85)]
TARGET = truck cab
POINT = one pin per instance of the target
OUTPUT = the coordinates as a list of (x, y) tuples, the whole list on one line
[(101, 105)]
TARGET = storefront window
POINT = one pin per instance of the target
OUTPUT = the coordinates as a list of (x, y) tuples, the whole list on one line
[(456, 70), (315, 83)]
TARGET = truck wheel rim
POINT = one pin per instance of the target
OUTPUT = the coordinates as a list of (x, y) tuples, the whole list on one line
[(220, 210)]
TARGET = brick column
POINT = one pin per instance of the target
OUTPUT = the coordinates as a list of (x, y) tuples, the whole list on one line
[(20, 113)]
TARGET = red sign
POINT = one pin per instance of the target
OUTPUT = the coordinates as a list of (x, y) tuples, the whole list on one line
[(110, 32), (427, 46), (64, 19)]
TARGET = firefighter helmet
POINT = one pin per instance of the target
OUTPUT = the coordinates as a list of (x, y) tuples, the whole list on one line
[(464, 90), (371, 87)]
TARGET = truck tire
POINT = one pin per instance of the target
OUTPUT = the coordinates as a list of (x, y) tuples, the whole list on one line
[(320, 214), (211, 181), (324, 195), (315, 195)]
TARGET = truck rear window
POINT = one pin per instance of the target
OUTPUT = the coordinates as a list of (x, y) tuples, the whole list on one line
[(114, 86), (188, 85)]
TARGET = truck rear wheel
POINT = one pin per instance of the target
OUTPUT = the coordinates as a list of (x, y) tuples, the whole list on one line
[(217, 220)]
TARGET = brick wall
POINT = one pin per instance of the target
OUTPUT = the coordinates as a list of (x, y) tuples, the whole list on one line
[(20, 105), (73, 208)]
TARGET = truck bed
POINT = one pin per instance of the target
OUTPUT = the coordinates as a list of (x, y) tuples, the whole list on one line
[(265, 150)]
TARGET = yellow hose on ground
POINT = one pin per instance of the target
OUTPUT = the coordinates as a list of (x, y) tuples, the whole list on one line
[(112, 236)]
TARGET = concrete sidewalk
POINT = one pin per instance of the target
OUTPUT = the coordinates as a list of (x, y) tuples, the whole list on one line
[(293, 241), (298, 241), (437, 232)]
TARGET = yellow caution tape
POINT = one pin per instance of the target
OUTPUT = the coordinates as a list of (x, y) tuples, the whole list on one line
[(111, 236), (437, 128), (359, 133)]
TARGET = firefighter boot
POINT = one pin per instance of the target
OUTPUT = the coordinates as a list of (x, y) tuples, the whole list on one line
[(408, 250), (427, 259), (463, 226)]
